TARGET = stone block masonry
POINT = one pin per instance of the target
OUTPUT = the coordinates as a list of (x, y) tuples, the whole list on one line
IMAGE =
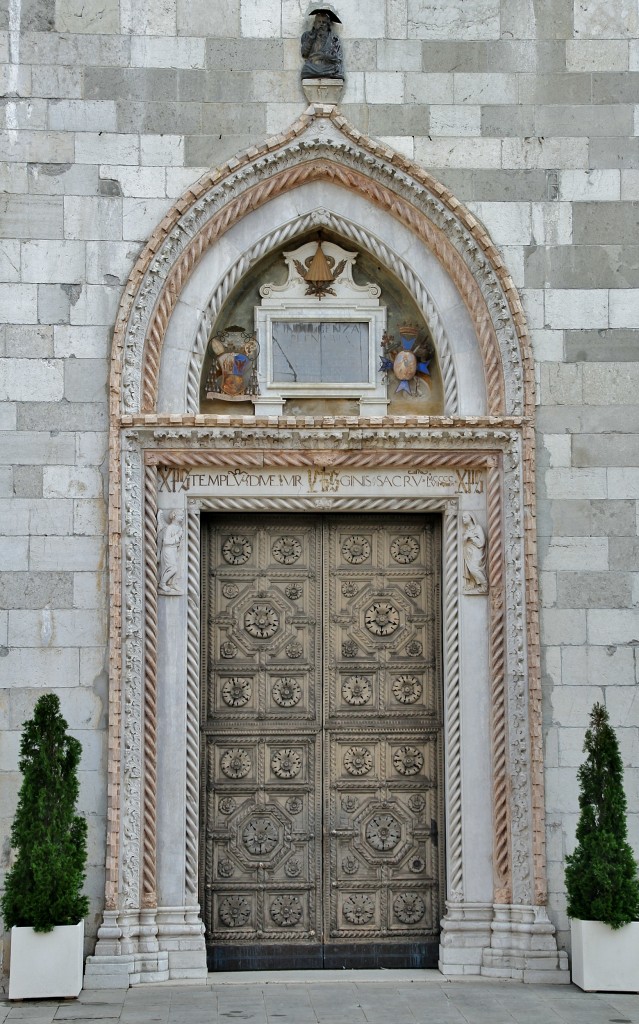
[(525, 110)]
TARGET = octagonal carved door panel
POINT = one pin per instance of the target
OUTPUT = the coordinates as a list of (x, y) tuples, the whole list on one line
[(321, 741)]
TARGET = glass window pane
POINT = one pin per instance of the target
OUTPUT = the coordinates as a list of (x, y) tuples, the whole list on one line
[(320, 353)]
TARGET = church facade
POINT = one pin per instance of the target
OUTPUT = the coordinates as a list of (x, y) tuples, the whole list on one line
[(320, 467)]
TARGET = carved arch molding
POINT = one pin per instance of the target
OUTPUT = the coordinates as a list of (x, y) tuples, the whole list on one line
[(495, 920)]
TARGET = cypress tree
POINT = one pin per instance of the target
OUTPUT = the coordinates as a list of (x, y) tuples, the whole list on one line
[(44, 886), (601, 875)]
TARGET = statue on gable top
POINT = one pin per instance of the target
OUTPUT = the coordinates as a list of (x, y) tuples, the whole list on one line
[(321, 47)]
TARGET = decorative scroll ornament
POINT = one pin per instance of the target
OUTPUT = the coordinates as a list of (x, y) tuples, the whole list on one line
[(236, 692), (286, 692), (260, 835), (225, 868), (357, 690), (234, 911), (230, 590), (293, 867), (286, 911), (404, 550), (358, 760), (170, 537), (235, 763), (349, 589), (261, 621), (227, 805), (409, 907), (286, 763), (474, 552), (287, 550), (407, 689), (350, 865), (349, 649), (237, 550), (294, 591), (228, 649), (406, 359), (358, 908), (320, 268), (294, 649), (408, 760), (413, 588), (383, 832), (294, 804), (233, 375), (382, 618), (356, 549)]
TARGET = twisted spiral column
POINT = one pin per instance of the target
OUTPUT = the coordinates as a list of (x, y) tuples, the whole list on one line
[(149, 800), (192, 704), (497, 641), (453, 707)]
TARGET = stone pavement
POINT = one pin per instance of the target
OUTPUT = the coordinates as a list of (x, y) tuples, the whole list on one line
[(334, 997)]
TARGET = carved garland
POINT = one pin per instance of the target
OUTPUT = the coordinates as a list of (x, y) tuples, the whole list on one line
[(367, 241)]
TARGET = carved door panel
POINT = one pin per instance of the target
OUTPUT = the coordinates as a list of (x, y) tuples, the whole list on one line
[(262, 734), (382, 734), (321, 742)]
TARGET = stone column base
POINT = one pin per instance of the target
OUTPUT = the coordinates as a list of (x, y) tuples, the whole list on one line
[(147, 946), (501, 941)]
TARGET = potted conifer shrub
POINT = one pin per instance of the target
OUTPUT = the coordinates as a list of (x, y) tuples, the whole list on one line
[(601, 874), (43, 903)]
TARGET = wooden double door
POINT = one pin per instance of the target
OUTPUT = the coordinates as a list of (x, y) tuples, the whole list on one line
[(321, 741)]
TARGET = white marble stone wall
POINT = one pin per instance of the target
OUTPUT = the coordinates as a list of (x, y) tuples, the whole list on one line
[(525, 108)]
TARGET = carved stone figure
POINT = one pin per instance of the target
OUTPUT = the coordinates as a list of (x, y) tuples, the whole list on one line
[(474, 551), (321, 48), (171, 533)]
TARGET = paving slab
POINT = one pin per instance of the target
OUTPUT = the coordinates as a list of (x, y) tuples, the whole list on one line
[(333, 997)]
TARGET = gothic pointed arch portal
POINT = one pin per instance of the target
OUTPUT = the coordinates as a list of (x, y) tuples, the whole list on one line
[(474, 467)]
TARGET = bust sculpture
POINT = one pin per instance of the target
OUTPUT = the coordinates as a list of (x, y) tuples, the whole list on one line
[(321, 48)]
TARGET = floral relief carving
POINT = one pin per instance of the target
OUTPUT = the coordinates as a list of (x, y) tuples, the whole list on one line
[(357, 690), (349, 589), (350, 865), (349, 649), (294, 804), (286, 692), (227, 805), (407, 689), (404, 550), (383, 832), (235, 763), (293, 867), (358, 760), (409, 907), (414, 648), (234, 911), (230, 590), (294, 591), (237, 550), (261, 621), (286, 763), (286, 911), (287, 550), (416, 802), (356, 549), (413, 588), (416, 865), (225, 868), (350, 803), (236, 692), (382, 618), (260, 835), (408, 760), (358, 908), (228, 649), (294, 649)]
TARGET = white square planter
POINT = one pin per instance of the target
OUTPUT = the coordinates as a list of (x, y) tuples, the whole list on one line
[(605, 959), (46, 964)]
